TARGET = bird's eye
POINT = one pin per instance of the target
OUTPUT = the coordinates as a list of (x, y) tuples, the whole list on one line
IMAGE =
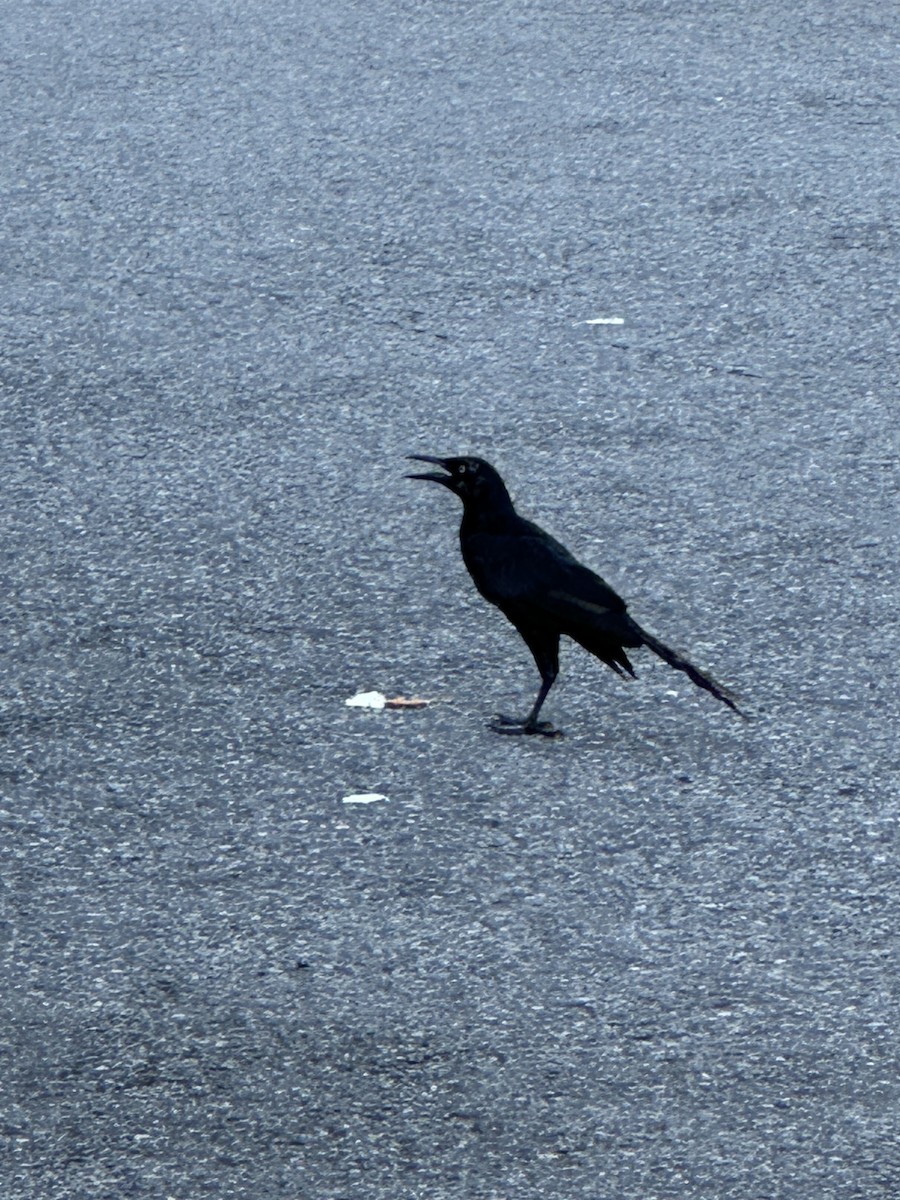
[(462, 468)]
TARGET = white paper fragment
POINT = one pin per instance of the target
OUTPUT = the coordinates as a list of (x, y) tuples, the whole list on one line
[(364, 798), (604, 321), (366, 700)]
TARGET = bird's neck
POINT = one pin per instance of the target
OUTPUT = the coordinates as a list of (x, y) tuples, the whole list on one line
[(496, 517)]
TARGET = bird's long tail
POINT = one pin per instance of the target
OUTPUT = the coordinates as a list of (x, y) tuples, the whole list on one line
[(693, 673)]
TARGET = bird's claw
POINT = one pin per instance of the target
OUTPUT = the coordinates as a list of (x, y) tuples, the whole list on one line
[(515, 725)]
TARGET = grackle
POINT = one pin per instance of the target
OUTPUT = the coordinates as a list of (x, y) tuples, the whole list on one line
[(541, 588)]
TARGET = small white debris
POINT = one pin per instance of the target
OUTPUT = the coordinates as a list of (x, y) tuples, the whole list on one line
[(364, 798), (366, 700), (378, 700), (604, 321)]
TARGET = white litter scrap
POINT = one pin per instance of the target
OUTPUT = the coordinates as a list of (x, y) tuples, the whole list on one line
[(604, 321), (375, 700), (378, 701), (364, 798)]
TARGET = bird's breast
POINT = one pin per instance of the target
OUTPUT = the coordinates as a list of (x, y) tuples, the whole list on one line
[(495, 561)]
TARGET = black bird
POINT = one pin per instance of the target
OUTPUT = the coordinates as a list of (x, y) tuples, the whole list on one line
[(541, 588)]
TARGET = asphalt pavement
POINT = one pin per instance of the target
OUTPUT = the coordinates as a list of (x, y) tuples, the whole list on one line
[(643, 258)]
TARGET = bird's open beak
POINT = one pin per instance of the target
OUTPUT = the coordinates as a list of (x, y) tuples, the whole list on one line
[(433, 476)]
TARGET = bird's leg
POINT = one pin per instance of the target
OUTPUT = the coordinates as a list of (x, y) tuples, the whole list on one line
[(531, 724)]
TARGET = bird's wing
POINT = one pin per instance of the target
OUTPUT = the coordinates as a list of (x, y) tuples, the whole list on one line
[(532, 577)]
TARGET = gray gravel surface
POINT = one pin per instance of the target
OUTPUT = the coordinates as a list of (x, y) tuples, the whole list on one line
[(252, 254)]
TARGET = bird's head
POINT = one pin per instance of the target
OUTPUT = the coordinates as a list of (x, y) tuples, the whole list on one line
[(472, 479)]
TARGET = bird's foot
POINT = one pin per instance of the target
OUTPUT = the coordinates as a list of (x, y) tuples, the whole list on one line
[(515, 725)]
